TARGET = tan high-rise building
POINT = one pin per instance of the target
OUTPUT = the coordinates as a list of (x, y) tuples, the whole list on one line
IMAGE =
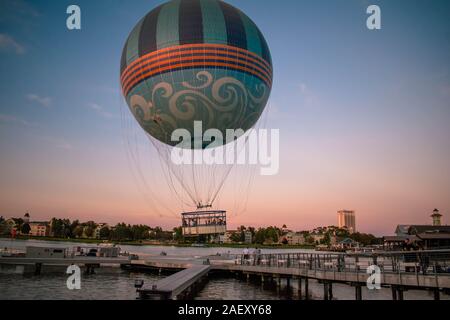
[(346, 219)]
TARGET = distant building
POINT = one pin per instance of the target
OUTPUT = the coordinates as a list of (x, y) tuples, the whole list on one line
[(432, 236), (295, 238), (39, 229), (248, 237), (346, 219), (226, 237), (347, 243), (418, 229), (436, 217), (317, 237), (402, 230)]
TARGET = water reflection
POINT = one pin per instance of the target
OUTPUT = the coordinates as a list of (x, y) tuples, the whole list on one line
[(53, 287)]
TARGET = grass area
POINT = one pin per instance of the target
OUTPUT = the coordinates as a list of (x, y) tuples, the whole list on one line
[(147, 243)]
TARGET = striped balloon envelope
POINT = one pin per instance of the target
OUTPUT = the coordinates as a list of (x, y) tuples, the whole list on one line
[(195, 60)]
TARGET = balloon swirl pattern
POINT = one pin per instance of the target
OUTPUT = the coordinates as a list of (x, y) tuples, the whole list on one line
[(219, 101)]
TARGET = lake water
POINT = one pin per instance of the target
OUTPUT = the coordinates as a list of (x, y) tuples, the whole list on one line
[(139, 250), (119, 285)]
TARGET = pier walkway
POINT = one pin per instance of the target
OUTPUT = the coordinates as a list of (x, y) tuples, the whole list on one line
[(431, 269), (176, 285), (399, 271)]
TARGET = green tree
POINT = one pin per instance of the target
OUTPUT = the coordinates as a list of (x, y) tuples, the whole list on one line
[(78, 231), (25, 228), (4, 229), (365, 239), (272, 234), (309, 239), (66, 228), (89, 231), (140, 232), (158, 234), (342, 233), (73, 227), (260, 236), (19, 223), (57, 228), (105, 233), (326, 239), (121, 232), (178, 234), (236, 237)]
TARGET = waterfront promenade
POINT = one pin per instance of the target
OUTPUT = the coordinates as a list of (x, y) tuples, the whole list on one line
[(399, 271)]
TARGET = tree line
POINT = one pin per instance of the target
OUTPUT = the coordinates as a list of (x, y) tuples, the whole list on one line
[(273, 234), (64, 228)]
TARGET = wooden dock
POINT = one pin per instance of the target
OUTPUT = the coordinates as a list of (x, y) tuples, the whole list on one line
[(175, 286)]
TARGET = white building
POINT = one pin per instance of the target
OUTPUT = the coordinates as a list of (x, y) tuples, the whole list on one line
[(295, 238), (248, 237), (227, 236), (39, 229)]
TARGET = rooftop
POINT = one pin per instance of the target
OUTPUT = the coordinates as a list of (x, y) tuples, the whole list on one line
[(416, 229)]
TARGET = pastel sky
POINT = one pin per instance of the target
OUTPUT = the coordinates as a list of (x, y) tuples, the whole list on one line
[(364, 116)]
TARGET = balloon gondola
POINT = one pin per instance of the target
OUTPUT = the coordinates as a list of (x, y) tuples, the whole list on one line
[(204, 223)]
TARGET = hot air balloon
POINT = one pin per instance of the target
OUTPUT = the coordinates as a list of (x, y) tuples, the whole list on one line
[(190, 61)]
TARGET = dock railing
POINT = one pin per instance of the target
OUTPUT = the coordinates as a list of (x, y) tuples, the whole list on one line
[(430, 262)]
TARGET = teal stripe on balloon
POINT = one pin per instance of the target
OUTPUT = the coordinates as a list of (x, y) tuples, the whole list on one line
[(253, 41), (133, 43), (214, 27), (167, 30)]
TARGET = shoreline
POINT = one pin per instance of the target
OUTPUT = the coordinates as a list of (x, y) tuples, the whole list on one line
[(145, 243)]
